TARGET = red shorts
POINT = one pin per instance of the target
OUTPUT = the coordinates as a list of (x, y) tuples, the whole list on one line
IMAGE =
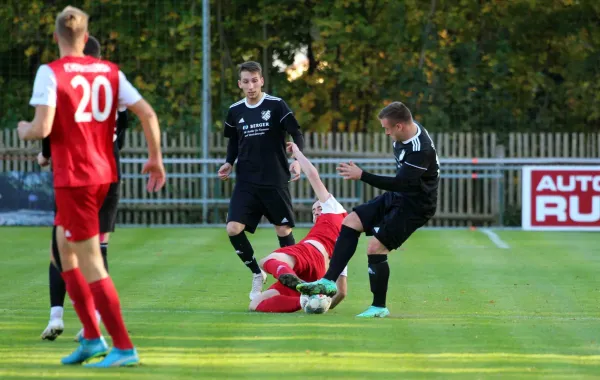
[(77, 210), (284, 290), (310, 264)]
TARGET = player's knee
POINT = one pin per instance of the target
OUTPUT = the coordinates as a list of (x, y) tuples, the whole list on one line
[(374, 247), (234, 228), (283, 230), (353, 221), (104, 237), (262, 261)]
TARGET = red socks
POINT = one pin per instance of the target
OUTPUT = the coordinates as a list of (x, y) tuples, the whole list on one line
[(83, 302), (109, 307), (280, 304), (277, 268)]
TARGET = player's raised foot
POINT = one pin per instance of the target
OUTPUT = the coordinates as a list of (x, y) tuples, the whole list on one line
[(78, 337), (53, 330), (290, 280), (117, 358), (257, 283), (374, 312), (322, 286), (88, 349)]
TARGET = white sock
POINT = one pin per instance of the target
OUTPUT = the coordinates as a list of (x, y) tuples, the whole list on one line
[(56, 312), (98, 317)]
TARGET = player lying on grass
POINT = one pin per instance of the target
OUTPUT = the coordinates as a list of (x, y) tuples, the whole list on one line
[(308, 260)]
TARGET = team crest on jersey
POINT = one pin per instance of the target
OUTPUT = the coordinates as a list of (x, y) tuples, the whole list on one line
[(266, 115)]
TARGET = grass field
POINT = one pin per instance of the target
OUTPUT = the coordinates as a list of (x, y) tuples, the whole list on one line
[(461, 308)]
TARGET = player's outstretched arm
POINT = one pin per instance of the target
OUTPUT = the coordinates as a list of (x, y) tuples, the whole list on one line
[(311, 172), (342, 291), (40, 126)]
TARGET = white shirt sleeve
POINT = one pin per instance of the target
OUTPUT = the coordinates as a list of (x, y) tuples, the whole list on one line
[(345, 272), (332, 206), (128, 95), (44, 88)]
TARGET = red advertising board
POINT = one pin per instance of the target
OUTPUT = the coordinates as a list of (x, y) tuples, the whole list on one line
[(561, 198)]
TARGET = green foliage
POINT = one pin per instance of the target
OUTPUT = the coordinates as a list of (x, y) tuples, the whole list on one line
[(479, 66)]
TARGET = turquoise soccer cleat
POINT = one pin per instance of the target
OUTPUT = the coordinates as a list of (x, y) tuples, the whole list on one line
[(88, 349), (322, 286), (117, 358), (375, 312)]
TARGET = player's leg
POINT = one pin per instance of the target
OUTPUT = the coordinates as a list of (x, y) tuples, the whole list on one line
[(277, 299), (277, 207), (364, 218), (281, 266), (398, 225), (379, 274), (244, 215), (92, 344), (107, 217), (57, 293), (83, 227)]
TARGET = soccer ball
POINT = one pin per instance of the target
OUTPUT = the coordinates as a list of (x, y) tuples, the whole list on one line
[(317, 304)]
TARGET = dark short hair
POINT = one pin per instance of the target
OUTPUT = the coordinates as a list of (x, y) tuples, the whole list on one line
[(251, 66), (92, 47), (397, 112)]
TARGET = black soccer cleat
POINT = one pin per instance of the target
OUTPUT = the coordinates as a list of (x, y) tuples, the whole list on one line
[(290, 280)]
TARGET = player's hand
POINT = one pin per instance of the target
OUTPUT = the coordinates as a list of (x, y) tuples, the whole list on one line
[(156, 169), (349, 170), (292, 148), (42, 161), (295, 171), (225, 171), (23, 129)]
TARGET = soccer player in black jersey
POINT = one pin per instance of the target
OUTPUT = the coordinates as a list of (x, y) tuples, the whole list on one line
[(257, 127), (107, 218), (408, 203)]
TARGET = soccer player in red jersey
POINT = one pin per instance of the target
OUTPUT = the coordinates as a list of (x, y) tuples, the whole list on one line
[(76, 99), (310, 257)]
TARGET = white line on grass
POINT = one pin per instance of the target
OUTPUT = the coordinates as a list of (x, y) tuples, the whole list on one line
[(494, 238)]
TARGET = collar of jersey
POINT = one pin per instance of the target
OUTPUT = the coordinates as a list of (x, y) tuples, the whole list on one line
[(257, 104), (415, 136)]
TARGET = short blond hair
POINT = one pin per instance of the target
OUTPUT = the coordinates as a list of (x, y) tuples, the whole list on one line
[(71, 24)]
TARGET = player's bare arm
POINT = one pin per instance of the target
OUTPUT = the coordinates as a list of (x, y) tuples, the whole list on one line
[(342, 286), (311, 172), (40, 126), (154, 166)]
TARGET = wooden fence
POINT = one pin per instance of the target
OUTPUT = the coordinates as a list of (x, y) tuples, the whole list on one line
[(462, 201)]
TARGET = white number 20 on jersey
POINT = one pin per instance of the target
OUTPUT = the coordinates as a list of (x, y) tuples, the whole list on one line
[(91, 93)]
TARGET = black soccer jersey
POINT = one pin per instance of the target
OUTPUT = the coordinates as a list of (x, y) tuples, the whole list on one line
[(260, 131), (417, 171)]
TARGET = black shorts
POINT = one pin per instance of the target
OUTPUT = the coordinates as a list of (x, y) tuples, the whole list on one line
[(250, 202), (108, 212), (391, 219)]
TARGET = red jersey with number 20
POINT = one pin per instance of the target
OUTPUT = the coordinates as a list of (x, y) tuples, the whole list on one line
[(82, 134)]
